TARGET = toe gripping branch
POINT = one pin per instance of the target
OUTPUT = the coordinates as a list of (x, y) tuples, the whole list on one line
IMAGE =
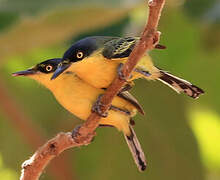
[(126, 87), (97, 107), (77, 136), (75, 132), (120, 72), (124, 111)]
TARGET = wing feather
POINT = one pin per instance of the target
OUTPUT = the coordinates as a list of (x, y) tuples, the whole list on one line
[(119, 48)]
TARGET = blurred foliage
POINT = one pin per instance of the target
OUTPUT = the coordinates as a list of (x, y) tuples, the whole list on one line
[(203, 122), (179, 135), (197, 8), (55, 27), (7, 174), (7, 19)]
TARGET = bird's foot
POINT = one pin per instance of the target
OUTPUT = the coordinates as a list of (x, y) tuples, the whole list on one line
[(145, 73), (79, 138), (97, 107), (75, 132), (120, 72), (126, 87), (124, 111)]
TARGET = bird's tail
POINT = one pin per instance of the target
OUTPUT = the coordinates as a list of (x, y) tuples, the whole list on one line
[(177, 84), (136, 150), (180, 85)]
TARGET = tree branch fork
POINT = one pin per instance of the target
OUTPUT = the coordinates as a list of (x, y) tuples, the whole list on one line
[(33, 167)]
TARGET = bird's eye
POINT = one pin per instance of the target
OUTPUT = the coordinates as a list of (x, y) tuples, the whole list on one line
[(79, 55), (49, 68)]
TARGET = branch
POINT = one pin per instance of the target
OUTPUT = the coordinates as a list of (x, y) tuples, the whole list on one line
[(33, 167), (149, 39)]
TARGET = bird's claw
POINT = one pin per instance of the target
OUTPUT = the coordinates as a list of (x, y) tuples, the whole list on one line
[(75, 132), (120, 72), (124, 111), (145, 73), (126, 87), (97, 107), (77, 136)]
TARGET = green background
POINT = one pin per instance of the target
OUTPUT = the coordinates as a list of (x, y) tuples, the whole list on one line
[(180, 135)]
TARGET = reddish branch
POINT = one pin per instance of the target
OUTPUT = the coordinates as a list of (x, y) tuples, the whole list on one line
[(149, 39), (33, 167)]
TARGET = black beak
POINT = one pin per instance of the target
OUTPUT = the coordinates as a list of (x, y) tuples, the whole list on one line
[(24, 73), (62, 67)]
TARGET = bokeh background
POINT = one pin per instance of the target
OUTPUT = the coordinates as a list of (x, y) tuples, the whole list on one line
[(180, 136)]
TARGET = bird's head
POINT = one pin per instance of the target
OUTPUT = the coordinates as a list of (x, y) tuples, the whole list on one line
[(41, 72), (80, 50)]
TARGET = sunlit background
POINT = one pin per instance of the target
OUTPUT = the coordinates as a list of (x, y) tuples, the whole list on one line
[(180, 136)]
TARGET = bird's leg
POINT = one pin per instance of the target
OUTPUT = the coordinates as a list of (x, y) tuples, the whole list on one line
[(145, 73), (97, 107), (126, 112), (120, 73), (127, 87), (76, 134)]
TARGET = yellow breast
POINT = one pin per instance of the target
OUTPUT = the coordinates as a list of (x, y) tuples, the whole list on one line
[(100, 72), (78, 98), (96, 70)]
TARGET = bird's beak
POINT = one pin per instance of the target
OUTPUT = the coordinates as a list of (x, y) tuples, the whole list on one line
[(25, 73), (62, 67)]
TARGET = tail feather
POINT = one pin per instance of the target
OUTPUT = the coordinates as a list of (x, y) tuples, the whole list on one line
[(136, 150), (180, 85)]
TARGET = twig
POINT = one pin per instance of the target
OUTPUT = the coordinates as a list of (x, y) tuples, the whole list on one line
[(33, 167), (149, 39)]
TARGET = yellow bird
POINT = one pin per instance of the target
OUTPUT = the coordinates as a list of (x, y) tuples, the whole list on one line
[(96, 59), (79, 97)]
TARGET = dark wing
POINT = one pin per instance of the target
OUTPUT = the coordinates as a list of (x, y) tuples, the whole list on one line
[(119, 48), (128, 97)]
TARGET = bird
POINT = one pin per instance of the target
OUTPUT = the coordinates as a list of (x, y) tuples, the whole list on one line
[(98, 59), (79, 97)]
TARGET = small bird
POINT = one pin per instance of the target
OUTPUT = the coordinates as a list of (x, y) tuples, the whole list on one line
[(97, 59), (78, 97)]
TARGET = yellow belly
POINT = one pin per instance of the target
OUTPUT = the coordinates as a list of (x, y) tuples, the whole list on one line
[(78, 97)]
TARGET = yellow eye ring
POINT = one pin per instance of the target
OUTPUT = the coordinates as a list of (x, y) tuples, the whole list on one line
[(49, 68), (79, 55)]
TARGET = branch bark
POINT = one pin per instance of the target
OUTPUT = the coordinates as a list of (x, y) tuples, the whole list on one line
[(149, 39), (33, 167)]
